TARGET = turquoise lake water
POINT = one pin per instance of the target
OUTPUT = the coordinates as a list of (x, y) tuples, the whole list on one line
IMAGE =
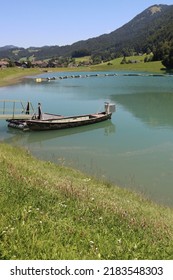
[(134, 149)]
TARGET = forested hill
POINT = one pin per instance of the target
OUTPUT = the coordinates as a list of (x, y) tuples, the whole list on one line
[(151, 30), (147, 30)]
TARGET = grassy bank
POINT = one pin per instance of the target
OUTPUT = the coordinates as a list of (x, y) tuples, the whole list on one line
[(52, 212), (14, 75)]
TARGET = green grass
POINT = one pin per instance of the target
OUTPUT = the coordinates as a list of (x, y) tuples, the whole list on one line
[(13, 75), (52, 212), (82, 59), (155, 66), (115, 64)]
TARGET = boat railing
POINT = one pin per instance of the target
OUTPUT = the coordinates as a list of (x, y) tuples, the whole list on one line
[(11, 109)]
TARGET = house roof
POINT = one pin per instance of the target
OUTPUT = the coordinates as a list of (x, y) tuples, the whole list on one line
[(4, 63)]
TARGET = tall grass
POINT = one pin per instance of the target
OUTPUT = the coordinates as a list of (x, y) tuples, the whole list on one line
[(52, 212)]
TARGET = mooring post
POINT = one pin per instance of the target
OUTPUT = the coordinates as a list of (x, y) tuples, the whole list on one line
[(13, 108), (4, 108)]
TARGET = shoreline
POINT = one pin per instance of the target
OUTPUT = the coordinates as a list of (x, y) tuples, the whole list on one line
[(9, 79), (15, 75), (12, 81)]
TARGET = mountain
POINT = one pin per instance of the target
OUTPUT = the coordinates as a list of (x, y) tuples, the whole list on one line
[(148, 31), (8, 47)]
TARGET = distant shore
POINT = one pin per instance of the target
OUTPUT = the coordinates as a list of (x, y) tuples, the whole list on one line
[(14, 75)]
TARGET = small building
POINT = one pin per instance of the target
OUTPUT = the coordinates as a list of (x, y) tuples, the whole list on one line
[(4, 64), (39, 63)]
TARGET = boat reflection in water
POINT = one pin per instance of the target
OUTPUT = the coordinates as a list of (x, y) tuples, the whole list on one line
[(18, 137)]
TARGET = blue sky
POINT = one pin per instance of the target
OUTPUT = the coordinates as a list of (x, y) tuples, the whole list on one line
[(27, 23)]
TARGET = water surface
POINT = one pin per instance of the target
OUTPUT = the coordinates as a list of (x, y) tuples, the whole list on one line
[(134, 149)]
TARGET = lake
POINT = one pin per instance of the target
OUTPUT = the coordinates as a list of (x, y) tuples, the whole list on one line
[(133, 150)]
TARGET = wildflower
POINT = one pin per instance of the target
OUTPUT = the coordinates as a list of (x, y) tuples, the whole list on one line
[(86, 179), (63, 205)]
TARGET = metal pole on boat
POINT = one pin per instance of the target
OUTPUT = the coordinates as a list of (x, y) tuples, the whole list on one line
[(4, 108), (13, 108), (39, 111), (27, 109)]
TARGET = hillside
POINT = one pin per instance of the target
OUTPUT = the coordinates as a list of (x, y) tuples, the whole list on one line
[(146, 32)]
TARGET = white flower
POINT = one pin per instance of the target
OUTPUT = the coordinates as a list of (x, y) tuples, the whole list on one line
[(86, 179)]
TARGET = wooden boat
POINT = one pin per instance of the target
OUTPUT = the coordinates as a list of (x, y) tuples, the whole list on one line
[(52, 122), (45, 121)]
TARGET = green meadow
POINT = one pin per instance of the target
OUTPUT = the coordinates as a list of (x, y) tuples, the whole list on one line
[(53, 212), (140, 66)]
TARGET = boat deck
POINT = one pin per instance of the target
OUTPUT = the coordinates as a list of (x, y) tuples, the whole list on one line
[(61, 119)]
